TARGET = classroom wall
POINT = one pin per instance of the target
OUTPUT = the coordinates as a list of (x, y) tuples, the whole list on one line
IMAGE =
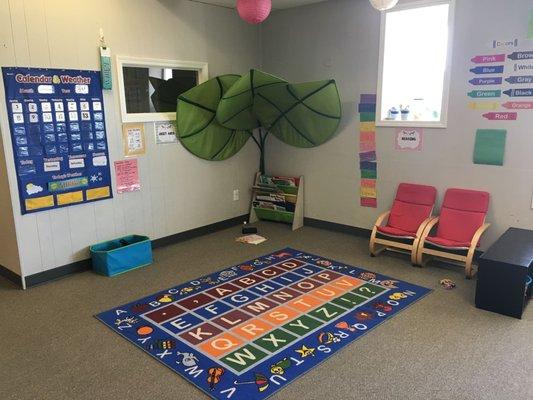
[(9, 256), (340, 39), (179, 191)]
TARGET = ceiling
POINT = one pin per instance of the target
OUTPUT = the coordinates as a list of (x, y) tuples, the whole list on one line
[(276, 4)]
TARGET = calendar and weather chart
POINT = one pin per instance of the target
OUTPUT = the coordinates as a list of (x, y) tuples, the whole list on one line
[(57, 123), (247, 331)]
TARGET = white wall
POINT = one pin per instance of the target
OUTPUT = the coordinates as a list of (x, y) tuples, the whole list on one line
[(340, 39), (336, 39), (9, 255), (179, 191)]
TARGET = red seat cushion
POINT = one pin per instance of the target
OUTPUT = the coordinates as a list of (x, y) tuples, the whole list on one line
[(389, 230), (447, 242), (416, 194), (462, 213), (466, 200), (412, 205)]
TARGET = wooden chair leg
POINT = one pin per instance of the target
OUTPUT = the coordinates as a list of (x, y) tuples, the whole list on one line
[(469, 273), (414, 251), (375, 249), (422, 260), (372, 246), (468, 263), (422, 241)]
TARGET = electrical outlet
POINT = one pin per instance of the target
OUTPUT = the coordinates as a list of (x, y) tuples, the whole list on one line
[(235, 194)]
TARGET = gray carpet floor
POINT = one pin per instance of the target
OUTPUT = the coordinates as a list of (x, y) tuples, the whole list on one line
[(442, 347)]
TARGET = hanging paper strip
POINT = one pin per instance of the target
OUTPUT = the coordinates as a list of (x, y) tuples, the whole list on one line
[(367, 150)]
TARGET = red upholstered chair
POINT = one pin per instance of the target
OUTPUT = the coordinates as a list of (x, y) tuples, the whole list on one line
[(406, 220), (459, 228)]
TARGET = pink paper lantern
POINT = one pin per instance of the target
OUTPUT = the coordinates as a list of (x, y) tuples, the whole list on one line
[(254, 11)]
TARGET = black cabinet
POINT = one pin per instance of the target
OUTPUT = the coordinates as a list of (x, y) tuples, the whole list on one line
[(502, 273)]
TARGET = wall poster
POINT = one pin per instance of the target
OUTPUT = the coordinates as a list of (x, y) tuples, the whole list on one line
[(57, 123), (127, 176), (165, 132), (133, 139)]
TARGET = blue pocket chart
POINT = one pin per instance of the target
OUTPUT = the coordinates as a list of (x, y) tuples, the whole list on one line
[(53, 115)]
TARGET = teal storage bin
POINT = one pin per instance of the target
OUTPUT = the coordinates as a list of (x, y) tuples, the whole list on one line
[(121, 255)]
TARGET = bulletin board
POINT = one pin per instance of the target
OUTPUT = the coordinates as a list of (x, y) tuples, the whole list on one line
[(57, 124)]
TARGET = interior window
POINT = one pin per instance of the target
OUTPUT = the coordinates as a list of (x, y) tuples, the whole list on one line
[(152, 89)]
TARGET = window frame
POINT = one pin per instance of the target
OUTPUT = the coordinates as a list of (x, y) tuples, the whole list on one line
[(126, 61), (443, 123)]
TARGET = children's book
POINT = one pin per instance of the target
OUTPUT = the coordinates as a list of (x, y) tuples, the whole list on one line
[(251, 239)]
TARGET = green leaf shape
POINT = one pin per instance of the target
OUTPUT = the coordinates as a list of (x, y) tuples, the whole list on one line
[(197, 127), (303, 114), (235, 108)]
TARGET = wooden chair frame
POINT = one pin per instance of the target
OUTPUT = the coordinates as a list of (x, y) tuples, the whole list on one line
[(377, 245), (462, 260)]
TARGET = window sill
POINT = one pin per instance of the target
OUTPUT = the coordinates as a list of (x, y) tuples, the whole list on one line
[(412, 124), (149, 117)]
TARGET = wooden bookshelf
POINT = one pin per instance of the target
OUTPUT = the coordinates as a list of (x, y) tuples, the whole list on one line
[(275, 199)]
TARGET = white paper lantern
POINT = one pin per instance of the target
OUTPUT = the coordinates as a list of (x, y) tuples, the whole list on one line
[(383, 5)]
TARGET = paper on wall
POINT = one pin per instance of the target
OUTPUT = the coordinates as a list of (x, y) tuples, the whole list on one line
[(367, 150), (368, 192), (489, 147), (133, 139), (165, 132), (127, 176), (409, 139)]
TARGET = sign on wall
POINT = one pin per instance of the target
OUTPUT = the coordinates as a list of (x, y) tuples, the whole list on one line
[(133, 139), (165, 132), (409, 139), (57, 123), (127, 176)]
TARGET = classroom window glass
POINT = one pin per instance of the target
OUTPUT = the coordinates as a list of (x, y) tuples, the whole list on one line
[(414, 65)]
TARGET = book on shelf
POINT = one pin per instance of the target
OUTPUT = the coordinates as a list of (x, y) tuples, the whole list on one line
[(268, 205), (267, 188), (277, 180), (275, 197)]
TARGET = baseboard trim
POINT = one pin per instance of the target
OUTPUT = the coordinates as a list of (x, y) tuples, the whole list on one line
[(352, 230), (84, 265), (11, 276), (196, 232), (333, 226), (59, 272)]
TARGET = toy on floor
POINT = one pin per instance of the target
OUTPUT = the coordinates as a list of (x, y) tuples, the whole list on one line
[(447, 284)]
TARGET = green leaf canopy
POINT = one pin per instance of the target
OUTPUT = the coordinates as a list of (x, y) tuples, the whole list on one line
[(235, 108), (303, 114), (197, 127)]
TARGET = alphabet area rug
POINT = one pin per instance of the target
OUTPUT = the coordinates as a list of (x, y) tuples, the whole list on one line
[(249, 330)]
